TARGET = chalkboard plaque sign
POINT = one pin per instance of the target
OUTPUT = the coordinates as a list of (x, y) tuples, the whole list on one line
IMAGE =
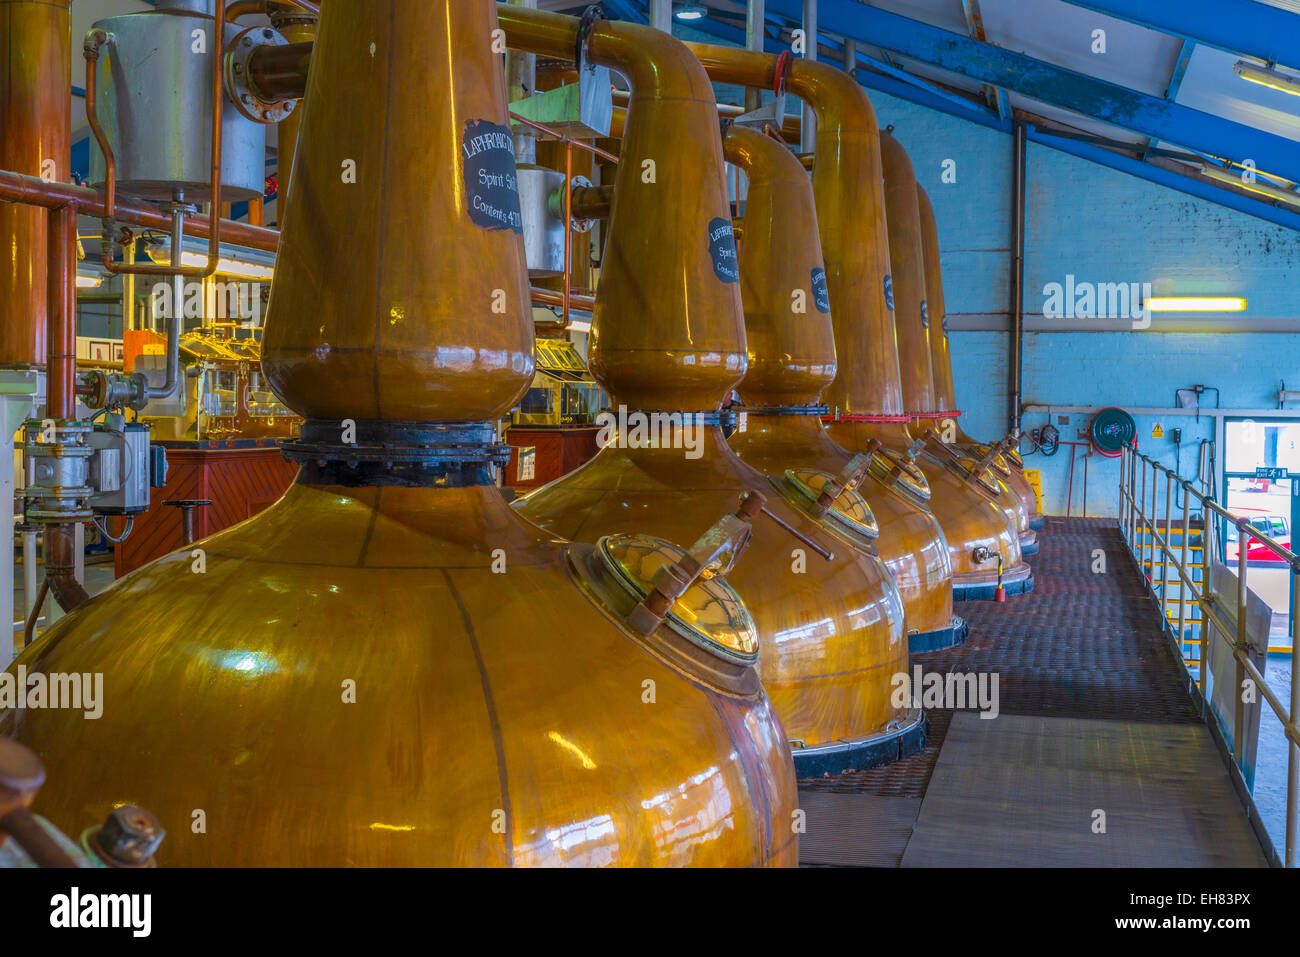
[(722, 249), (490, 180), (821, 295)]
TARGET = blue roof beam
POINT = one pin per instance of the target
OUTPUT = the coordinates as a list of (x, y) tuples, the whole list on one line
[(1244, 27), (997, 96), (1086, 95), (1175, 80)]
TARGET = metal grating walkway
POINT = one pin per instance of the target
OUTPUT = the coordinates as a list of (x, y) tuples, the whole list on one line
[(1094, 716)]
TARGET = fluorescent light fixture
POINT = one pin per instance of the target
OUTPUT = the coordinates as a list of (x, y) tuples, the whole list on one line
[(1196, 304), (89, 282), (1263, 189), (691, 11), (225, 267), (1264, 76)]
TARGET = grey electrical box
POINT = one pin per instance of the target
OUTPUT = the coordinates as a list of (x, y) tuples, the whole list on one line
[(120, 469)]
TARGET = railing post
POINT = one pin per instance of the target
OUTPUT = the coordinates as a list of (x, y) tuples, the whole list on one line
[(1166, 553), (1185, 571), (1142, 520), (1239, 706), (1293, 751), (1124, 466)]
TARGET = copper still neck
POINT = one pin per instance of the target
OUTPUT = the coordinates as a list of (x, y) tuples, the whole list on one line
[(782, 279), (911, 313), (850, 218), (35, 134), (668, 330), (376, 315), (945, 394)]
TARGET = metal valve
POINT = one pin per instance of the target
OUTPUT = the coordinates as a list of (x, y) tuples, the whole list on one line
[(849, 477)]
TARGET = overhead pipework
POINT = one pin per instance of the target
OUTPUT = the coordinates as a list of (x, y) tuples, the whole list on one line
[(831, 628), (945, 412), (792, 360), (375, 634)]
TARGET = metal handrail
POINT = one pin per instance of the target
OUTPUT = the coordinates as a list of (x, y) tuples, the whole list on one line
[(1134, 521)]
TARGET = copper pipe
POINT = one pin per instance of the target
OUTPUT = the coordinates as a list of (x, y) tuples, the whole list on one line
[(581, 144), (280, 73), (29, 628), (61, 329), (60, 402), (568, 228), (22, 826), (592, 202), (35, 130), (297, 28), (96, 39), (33, 191), (244, 8)]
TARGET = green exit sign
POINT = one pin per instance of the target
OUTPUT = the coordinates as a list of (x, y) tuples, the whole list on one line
[(1271, 472)]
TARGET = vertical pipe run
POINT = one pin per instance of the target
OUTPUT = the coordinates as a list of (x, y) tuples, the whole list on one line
[(60, 402), (521, 82), (808, 130), (851, 58), (1017, 311), (661, 15), (755, 34)]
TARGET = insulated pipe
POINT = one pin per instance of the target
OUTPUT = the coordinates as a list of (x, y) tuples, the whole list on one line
[(755, 37), (808, 138), (35, 133)]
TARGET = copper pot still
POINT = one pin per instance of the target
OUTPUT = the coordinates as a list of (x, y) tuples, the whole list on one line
[(944, 408), (668, 344), (390, 666), (791, 362)]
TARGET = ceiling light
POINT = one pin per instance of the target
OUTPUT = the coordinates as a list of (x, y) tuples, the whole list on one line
[(691, 11), (225, 267), (1196, 304), (1264, 189), (1264, 76)]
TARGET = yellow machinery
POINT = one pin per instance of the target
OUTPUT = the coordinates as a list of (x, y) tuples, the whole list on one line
[(563, 391), (227, 395), (390, 666)]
